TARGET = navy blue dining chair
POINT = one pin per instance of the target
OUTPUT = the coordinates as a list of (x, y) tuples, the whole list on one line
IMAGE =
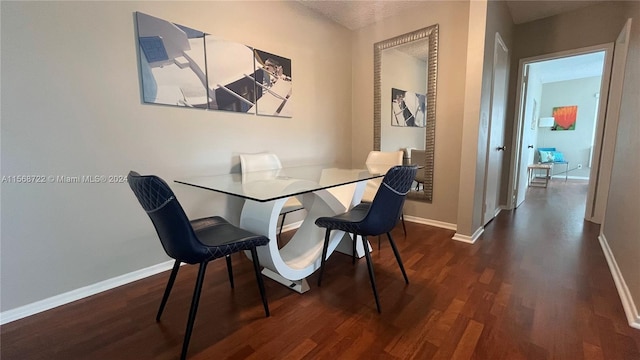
[(197, 241), (378, 161), (373, 219)]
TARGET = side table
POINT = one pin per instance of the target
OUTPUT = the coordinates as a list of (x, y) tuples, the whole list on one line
[(537, 180)]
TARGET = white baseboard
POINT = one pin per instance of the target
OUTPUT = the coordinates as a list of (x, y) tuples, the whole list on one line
[(83, 292), (469, 239), (291, 226), (414, 219), (436, 223), (633, 317), (558, 176)]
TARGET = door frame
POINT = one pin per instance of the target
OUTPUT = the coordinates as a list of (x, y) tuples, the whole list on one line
[(599, 191), (516, 155)]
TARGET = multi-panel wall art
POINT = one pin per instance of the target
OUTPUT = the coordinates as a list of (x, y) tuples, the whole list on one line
[(181, 66), (407, 108)]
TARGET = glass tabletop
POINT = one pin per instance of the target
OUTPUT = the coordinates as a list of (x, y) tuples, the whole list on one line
[(270, 185)]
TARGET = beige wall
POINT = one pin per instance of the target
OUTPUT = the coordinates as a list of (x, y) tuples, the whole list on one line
[(452, 17), (485, 20), (71, 105), (476, 117), (621, 227)]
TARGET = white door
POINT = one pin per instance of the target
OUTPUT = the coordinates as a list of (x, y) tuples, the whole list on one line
[(495, 148), (530, 113), (602, 161)]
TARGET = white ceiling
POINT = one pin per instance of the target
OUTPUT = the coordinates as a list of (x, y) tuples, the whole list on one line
[(569, 68), (358, 14), (523, 11)]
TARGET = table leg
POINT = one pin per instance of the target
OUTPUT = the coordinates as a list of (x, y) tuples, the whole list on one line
[(547, 177)]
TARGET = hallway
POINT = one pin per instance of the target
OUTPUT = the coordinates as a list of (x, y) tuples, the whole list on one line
[(562, 295)]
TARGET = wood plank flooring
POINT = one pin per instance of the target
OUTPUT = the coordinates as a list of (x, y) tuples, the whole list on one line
[(534, 286)]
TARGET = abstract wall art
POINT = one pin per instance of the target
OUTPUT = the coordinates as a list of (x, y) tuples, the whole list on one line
[(185, 67)]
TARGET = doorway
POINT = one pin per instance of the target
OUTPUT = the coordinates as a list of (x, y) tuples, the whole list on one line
[(565, 109), (537, 126)]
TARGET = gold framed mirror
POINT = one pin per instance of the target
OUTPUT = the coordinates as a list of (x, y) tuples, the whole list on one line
[(407, 64)]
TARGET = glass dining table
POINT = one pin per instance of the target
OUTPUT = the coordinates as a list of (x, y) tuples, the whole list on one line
[(322, 190)]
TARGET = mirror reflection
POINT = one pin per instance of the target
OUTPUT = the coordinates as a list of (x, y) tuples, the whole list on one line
[(405, 69)]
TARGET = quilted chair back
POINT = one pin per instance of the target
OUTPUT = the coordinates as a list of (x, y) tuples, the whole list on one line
[(387, 204), (172, 224)]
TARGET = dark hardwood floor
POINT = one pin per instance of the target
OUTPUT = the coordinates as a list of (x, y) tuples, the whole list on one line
[(534, 286)]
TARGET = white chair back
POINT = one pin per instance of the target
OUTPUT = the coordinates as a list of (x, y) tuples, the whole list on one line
[(259, 162), (379, 161), (384, 157), (262, 162)]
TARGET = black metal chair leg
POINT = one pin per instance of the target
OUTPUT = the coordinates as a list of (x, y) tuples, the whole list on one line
[(325, 246), (404, 227), (256, 268), (353, 251), (167, 290), (371, 275), (281, 225), (194, 309), (230, 270), (398, 259)]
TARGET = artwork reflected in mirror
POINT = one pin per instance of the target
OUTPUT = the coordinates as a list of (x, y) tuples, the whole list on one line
[(407, 108), (405, 67)]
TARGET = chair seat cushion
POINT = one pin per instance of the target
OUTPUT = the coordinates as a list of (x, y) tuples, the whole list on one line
[(348, 221), (222, 238)]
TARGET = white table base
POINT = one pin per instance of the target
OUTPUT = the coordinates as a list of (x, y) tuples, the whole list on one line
[(300, 257)]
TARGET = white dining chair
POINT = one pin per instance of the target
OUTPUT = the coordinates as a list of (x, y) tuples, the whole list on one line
[(378, 159), (269, 161), (419, 157)]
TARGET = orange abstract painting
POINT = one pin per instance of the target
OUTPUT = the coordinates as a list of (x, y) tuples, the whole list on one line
[(565, 117)]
